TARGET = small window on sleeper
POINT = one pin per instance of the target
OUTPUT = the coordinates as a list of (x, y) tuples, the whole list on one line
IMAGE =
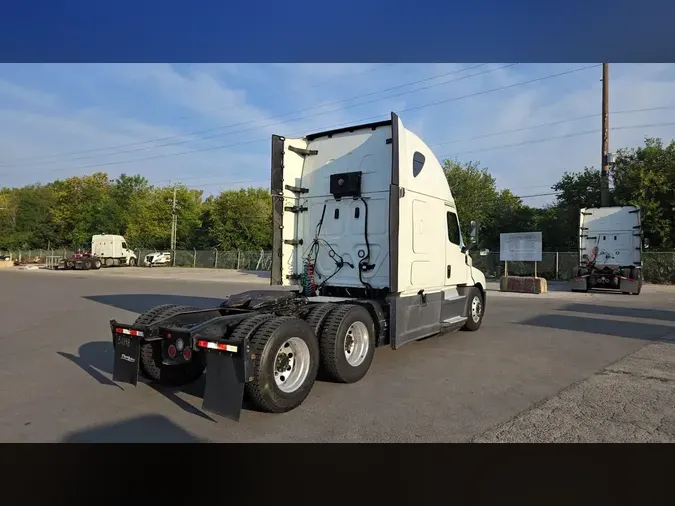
[(418, 163)]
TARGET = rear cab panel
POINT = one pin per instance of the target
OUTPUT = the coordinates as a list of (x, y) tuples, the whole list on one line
[(616, 231), (406, 200), (342, 224)]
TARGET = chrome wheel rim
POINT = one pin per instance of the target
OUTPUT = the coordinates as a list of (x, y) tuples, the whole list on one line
[(291, 365), (476, 309), (357, 343)]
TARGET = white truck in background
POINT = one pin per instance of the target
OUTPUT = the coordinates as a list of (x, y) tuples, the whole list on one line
[(610, 250), (106, 250), (112, 250)]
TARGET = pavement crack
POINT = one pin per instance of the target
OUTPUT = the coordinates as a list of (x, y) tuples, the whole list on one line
[(637, 375)]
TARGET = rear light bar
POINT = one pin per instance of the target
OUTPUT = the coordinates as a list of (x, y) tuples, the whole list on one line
[(129, 332), (217, 346)]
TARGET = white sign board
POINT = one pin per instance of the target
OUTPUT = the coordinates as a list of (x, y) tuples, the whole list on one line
[(520, 247)]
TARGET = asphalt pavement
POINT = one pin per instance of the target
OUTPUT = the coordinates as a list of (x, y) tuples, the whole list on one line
[(560, 367)]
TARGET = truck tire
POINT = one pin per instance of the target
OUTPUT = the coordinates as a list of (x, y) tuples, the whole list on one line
[(96, 264), (132, 262), (285, 365), (633, 274), (347, 343), (316, 317), (475, 310), (86, 264), (151, 353)]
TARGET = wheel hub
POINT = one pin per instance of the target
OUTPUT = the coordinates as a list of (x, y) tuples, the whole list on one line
[(476, 308), (357, 343), (291, 365)]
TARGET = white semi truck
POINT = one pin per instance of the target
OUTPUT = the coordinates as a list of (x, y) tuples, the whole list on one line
[(367, 252), (610, 250), (106, 250), (112, 250)]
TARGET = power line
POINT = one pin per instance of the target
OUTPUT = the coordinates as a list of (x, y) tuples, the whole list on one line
[(536, 195), (211, 148), (261, 119), (551, 123), (521, 83), (558, 137), (626, 111), (315, 85)]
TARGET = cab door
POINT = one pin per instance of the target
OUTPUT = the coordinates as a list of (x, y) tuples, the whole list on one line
[(455, 259), (452, 309)]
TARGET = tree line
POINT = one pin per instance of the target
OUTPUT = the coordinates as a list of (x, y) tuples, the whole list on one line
[(66, 213)]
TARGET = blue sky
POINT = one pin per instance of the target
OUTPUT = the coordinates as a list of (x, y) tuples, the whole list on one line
[(48, 111)]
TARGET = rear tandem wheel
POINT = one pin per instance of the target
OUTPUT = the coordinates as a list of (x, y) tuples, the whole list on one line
[(285, 363), (347, 343), (151, 366)]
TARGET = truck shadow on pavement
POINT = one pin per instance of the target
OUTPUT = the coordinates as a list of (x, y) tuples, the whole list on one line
[(630, 312), (141, 302), (633, 330), (142, 429), (96, 359)]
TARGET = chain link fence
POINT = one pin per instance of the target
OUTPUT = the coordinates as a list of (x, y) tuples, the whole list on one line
[(244, 260), (659, 267)]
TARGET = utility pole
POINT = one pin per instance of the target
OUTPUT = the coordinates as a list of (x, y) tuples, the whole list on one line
[(604, 175), (174, 221)]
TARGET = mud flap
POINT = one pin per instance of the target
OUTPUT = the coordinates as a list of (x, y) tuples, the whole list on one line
[(225, 380), (630, 286), (127, 356), (578, 283)]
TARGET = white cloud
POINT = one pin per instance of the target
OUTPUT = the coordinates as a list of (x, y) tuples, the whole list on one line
[(98, 106), (26, 96)]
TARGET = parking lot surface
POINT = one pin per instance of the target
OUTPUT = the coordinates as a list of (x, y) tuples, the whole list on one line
[(560, 367)]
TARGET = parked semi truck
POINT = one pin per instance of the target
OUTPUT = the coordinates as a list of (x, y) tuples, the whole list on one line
[(610, 250), (367, 252), (106, 250)]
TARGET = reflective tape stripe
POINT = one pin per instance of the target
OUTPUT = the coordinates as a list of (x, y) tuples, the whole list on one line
[(129, 332), (217, 346)]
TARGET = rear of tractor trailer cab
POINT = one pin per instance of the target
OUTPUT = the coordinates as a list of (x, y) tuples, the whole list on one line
[(610, 250), (367, 251)]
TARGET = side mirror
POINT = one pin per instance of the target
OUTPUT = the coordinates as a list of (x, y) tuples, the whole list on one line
[(645, 243), (473, 232)]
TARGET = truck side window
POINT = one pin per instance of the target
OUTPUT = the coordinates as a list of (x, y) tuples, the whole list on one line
[(453, 228), (418, 163), (124, 245)]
